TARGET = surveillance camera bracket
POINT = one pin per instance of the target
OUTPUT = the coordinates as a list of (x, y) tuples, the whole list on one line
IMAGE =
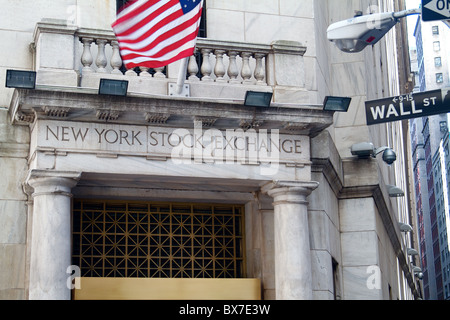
[(379, 150)]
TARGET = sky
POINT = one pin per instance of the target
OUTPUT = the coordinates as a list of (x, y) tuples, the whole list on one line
[(412, 4)]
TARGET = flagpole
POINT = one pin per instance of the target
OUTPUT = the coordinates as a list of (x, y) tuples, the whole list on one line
[(182, 75)]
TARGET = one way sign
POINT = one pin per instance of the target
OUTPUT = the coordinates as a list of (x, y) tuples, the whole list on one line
[(435, 10), (408, 106)]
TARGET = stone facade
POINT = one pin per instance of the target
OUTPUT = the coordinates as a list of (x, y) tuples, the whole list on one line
[(319, 223)]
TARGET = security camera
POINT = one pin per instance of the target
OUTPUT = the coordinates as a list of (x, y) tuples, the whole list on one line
[(412, 252), (419, 275), (389, 156), (365, 150)]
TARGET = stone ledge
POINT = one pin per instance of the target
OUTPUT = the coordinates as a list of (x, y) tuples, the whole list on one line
[(135, 109)]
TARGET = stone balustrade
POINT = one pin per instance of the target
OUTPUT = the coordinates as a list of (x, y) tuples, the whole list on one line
[(219, 61), (218, 69), (106, 61), (231, 62)]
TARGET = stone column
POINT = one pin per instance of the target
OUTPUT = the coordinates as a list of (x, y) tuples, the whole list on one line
[(292, 250), (51, 234)]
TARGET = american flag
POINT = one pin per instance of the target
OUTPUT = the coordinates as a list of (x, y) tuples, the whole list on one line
[(154, 33)]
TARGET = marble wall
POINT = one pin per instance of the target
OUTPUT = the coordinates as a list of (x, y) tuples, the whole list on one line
[(17, 23), (347, 236), (13, 211), (371, 74)]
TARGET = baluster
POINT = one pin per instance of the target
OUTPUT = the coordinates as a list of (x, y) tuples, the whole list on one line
[(101, 61), (219, 69), (259, 69), (192, 69), (144, 72), (233, 70), (116, 59), (246, 72), (159, 72), (206, 68), (86, 57), (131, 73)]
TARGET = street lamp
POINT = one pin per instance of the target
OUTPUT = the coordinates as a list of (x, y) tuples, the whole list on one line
[(354, 34)]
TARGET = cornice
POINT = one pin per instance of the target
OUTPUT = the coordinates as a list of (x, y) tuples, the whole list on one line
[(75, 104)]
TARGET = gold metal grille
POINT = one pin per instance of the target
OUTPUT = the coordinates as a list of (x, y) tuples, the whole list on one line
[(157, 240)]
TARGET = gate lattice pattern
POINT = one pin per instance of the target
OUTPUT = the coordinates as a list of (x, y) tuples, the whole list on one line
[(157, 240)]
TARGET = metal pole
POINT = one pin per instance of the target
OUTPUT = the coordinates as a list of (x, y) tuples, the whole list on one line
[(182, 75)]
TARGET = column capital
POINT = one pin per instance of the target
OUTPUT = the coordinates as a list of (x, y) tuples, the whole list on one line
[(303, 188), (289, 191), (52, 182)]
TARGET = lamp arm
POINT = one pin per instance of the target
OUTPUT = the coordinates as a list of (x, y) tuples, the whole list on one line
[(404, 13)]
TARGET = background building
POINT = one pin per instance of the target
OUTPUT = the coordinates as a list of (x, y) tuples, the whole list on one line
[(427, 134), (441, 178), (96, 182)]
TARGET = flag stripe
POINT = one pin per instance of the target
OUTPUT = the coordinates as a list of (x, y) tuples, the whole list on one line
[(129, 6), (137, 7), (154, 33), (165, 45), (183, 51), (156, 63), (151, 39), (147, 18), (170, 55), (165, 50), (159, 24)]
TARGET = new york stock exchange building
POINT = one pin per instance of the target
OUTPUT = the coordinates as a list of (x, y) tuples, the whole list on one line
[(156, 194)]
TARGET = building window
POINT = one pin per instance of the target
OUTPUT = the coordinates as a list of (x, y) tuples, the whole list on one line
[(439, 78), (435, 30), (436, 46), (120, 4), (158, 240), (336, 280), (438, 62), (202, 29)]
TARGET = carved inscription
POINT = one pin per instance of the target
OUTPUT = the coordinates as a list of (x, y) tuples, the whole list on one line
[(198, 142), (236, 140), (110, 136), (65, 133)]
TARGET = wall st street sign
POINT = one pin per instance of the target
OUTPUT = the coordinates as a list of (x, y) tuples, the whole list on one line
[(413, 105), (435, 10)]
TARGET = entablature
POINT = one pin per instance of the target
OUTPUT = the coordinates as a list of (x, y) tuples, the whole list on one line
[(85, 105)]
